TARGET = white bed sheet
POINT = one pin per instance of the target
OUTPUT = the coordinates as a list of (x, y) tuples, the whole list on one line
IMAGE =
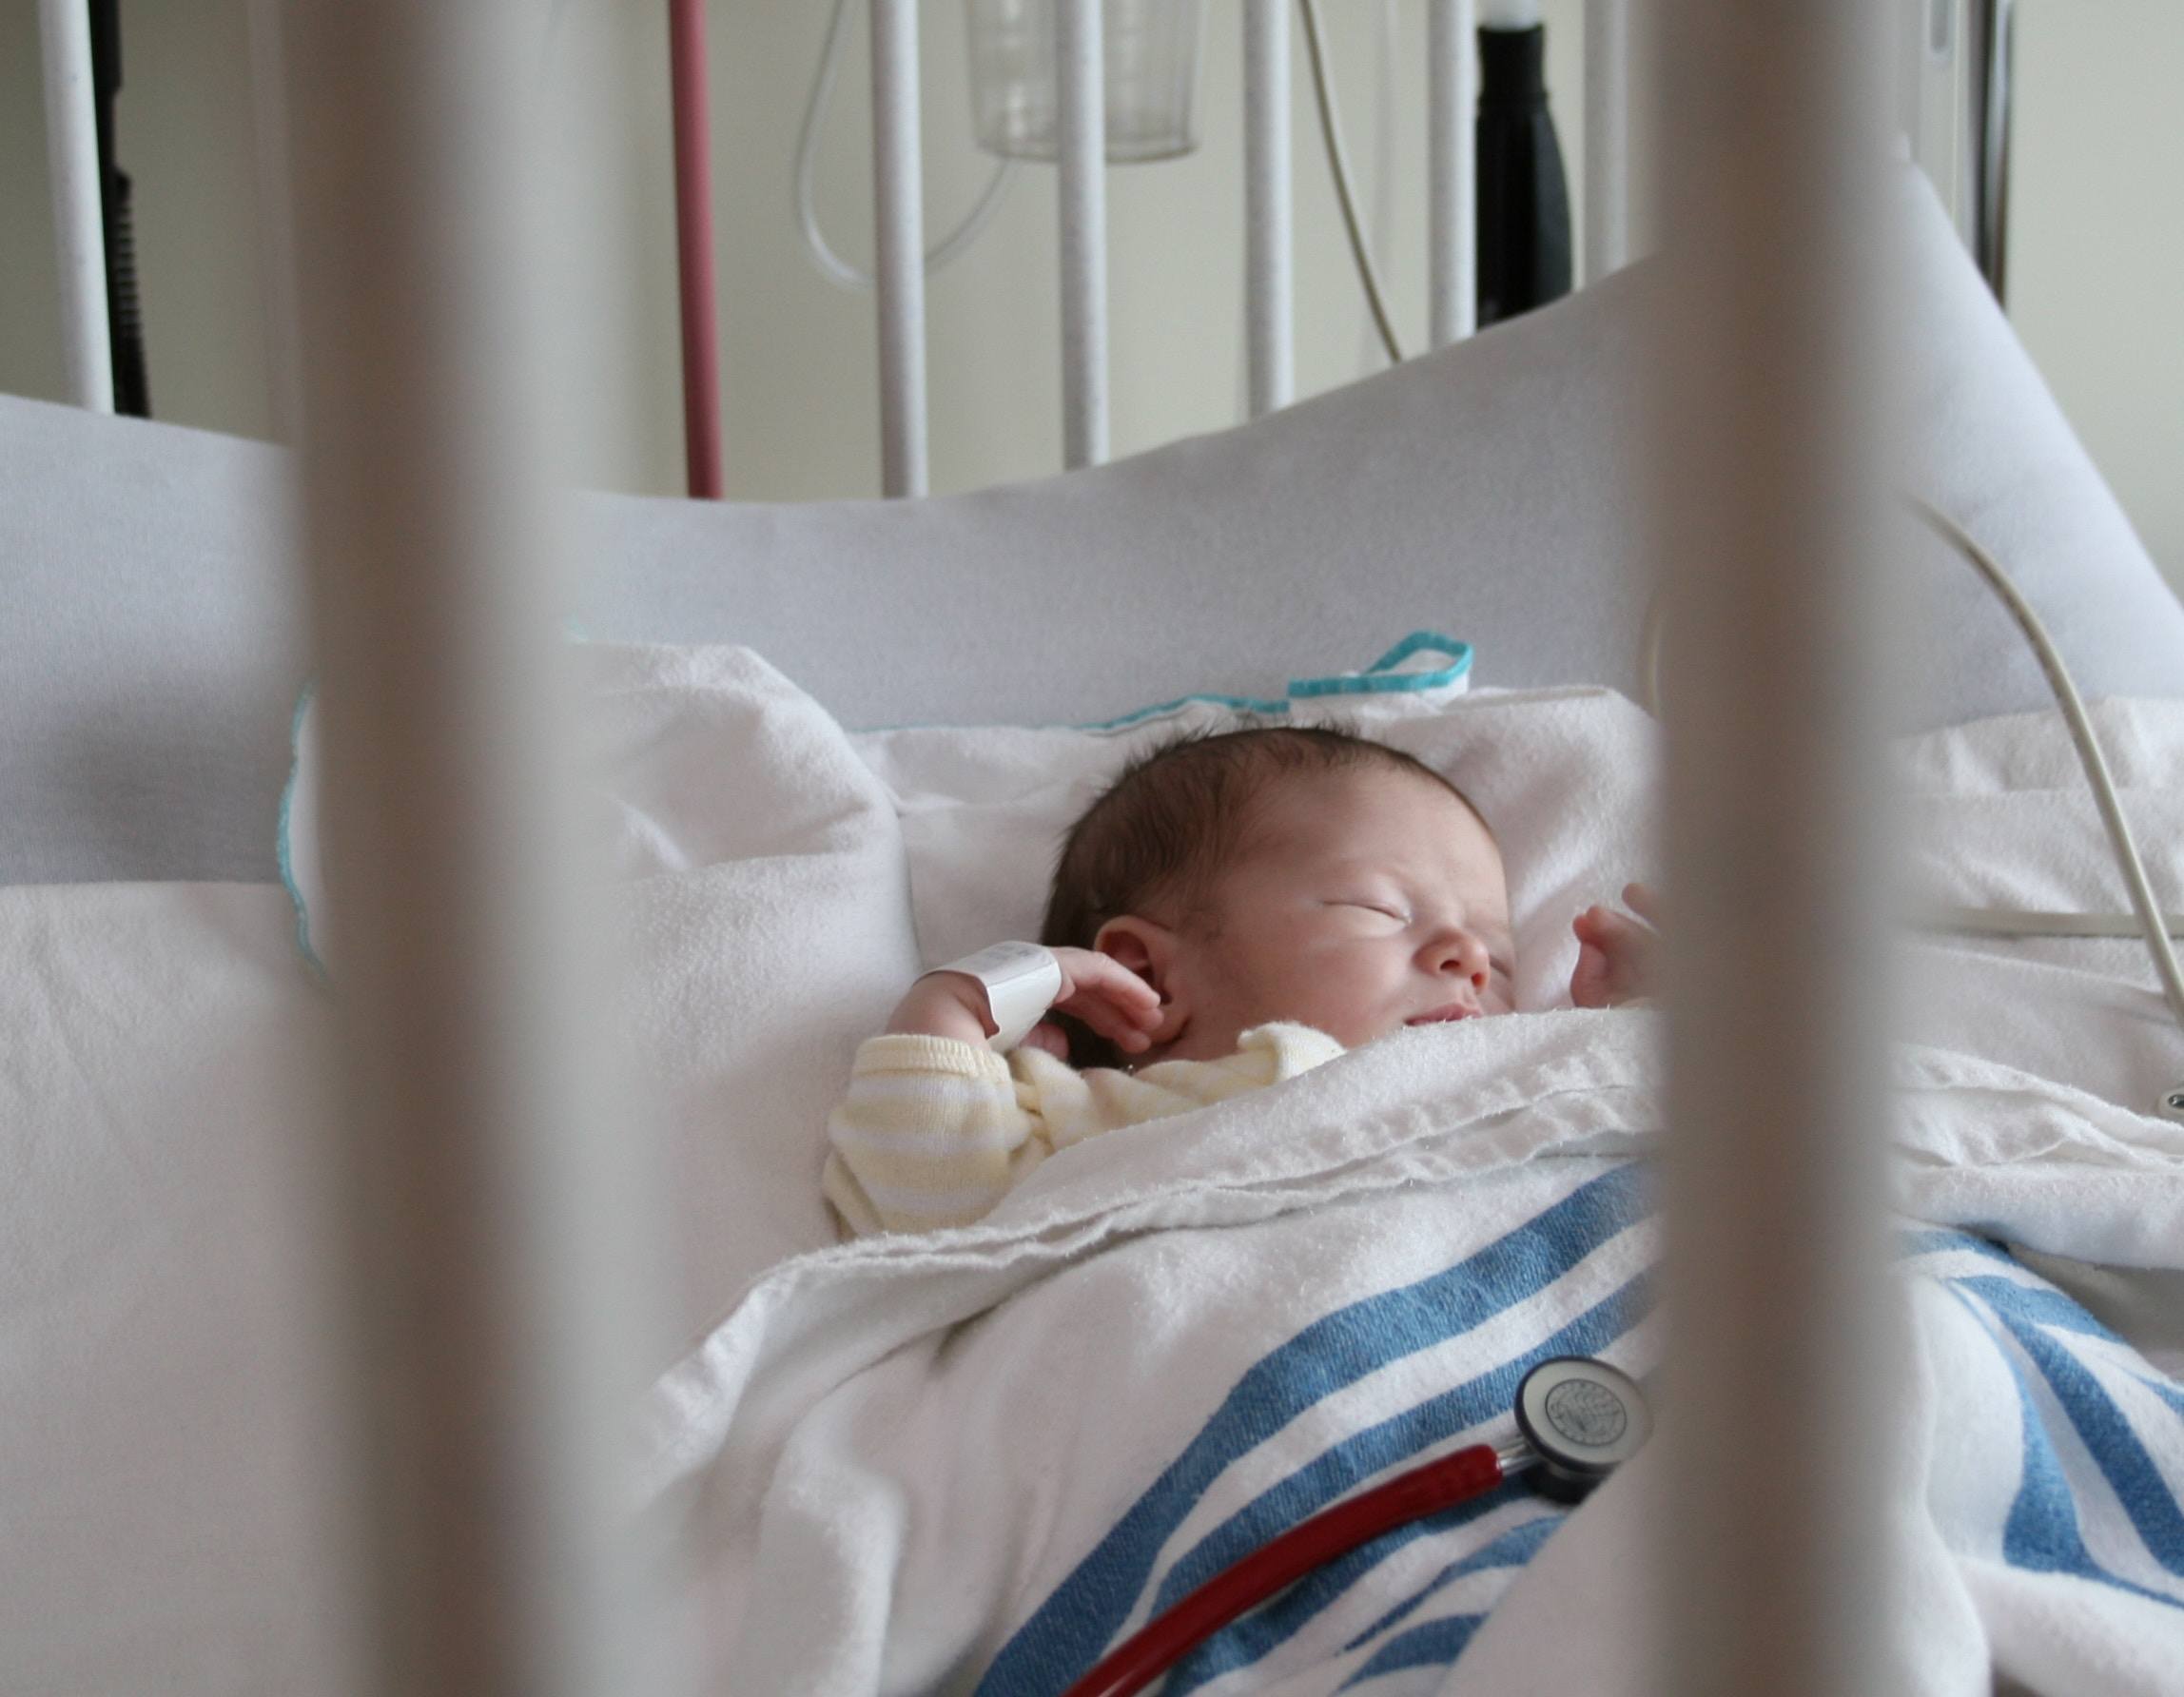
[(169, 1506)]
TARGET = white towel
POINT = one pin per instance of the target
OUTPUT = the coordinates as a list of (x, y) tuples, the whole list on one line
[(972, 1461)]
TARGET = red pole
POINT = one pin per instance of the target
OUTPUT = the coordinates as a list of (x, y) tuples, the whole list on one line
[(693, 249)]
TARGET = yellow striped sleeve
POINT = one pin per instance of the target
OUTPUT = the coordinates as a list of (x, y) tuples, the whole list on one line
[(927, 1136)]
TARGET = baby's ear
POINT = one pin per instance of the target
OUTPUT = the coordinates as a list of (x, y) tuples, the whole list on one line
[(1150, 948), (1142, 946)]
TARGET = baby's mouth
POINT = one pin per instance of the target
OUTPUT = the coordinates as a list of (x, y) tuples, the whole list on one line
[(1441, 1016)]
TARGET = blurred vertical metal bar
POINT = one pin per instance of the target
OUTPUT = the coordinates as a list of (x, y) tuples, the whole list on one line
[(1911, 96), (898, 269), (1964, 72), (484, 1173), (1607, 137), (276, 221), (693, 249), (1765, 446), (1081, 101), (1270, 266), (79, 233), (1451, 168), (1993, 36)]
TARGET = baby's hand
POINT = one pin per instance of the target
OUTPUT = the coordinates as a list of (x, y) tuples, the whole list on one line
[(1618, 957), (1108, 996)]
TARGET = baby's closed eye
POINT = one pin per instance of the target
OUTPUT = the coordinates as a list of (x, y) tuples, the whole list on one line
[(1383, 909)]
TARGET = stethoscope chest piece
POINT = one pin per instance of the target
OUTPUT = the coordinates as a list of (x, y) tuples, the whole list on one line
[(1583, 1419)]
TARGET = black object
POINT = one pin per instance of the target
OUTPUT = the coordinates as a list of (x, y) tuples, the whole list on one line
[(1583, 1419), (125, 325), (1524, 197)]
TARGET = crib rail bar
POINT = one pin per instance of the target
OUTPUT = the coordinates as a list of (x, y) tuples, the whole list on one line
[(1607, 137), (494, 1327), (899, 245), (1911, 94), (1080, 100), (1270, 272), (698, 290), (1992, 28), (1451, 205), (1774, 119), (79, 227)]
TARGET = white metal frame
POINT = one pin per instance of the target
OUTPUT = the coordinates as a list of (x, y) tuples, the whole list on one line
[(1081, 103), (899, 247), (1452, 170), (1778, 1056), (1270, 265), (79, 223), (488, 1260)]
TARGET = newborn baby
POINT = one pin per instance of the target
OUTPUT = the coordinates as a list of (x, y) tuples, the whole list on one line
[(1236, 910)]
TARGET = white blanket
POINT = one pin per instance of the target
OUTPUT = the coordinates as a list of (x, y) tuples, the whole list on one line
[(969, 1462)]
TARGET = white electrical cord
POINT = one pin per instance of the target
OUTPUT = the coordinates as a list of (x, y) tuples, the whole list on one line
[(1331, 132), (2149, 919), (2146, 919), (1376, 335), (835, 267), (1379, 196)]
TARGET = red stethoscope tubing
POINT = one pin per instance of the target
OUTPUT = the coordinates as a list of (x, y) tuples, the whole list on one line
[(1162, 1641)]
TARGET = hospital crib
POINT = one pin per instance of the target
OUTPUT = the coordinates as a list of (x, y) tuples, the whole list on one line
[(474, 1078)]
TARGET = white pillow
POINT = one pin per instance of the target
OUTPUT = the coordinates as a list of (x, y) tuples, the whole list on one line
[(1563, 776), (767, 920), (708, 754)]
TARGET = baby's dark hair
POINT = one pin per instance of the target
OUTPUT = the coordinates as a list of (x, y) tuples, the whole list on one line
[(1160, 834)]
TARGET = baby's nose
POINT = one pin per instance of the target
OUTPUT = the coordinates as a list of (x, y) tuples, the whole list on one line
[(1462, 954)]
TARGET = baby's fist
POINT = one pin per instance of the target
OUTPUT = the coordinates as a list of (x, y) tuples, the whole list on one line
[(1618, 956)]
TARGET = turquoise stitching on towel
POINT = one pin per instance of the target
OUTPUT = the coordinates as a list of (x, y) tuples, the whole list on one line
[(1377, 679), (1380, 679), (281, 853)]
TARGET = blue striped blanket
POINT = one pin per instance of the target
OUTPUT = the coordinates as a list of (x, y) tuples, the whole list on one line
[(973, 1463)]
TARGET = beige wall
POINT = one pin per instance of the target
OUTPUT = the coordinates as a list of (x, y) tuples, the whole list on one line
[(2098, 239), (2096, 245)]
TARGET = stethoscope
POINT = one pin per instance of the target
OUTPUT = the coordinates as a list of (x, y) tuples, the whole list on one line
[(1579, 1419)]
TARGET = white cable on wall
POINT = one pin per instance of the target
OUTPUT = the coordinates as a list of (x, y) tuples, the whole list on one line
[(1380, 224), (1338, 159), (2143, 906), (2145, 920), (831, 264)]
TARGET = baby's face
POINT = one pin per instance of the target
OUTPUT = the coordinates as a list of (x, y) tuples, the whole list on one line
[(1364, 900)]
